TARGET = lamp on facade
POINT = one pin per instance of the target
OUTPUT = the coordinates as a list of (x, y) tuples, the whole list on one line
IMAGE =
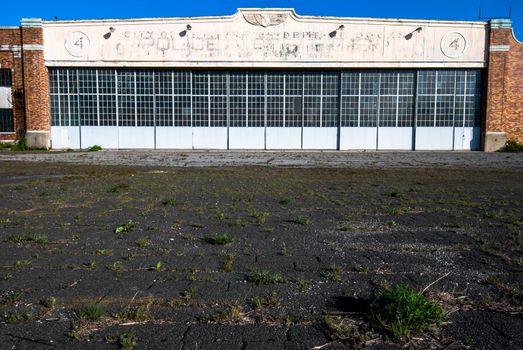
[(334, 32), (108, 34), (409, 36), (184, 32)]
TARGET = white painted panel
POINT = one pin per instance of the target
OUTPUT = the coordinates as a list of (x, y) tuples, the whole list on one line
[(283, 138), (104, 136), (173, 137), (209, 138), (320, 138), (358, 138), (234, 41), (434, 138), (6, 97), (467, 138), (56, 138), (64, 137), (246, 138), (394, 138), (135, 137)]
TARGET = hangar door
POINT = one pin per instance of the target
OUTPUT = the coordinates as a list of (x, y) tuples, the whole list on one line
[(201, 109)]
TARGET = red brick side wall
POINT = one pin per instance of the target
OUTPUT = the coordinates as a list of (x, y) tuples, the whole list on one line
[(505, 86), (11, 59), (35, 82)]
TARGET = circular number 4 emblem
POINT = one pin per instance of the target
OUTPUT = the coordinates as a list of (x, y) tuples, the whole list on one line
[(77, 44), (453, 44)]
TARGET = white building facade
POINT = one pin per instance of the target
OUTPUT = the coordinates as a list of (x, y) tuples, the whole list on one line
[(266, 79)]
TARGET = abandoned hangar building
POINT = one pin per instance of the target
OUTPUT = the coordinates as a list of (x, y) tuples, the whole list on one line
[(262, 79)]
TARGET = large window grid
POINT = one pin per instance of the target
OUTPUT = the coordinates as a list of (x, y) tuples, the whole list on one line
[(449, 98), (125, 97)]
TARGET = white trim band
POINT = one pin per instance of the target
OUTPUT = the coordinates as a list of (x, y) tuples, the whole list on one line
[(32, 47), (499, 48)]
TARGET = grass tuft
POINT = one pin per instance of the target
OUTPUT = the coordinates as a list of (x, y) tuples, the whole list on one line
[(125, 228), (403, 312), (221, 239), (513, 146), (261, 277), (94, 148), (93, 311)]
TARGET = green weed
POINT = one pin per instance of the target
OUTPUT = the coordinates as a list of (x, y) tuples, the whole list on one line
[(261, 277), (221, 239), (402, 312)]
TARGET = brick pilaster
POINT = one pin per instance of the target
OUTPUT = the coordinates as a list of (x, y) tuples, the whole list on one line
[(36, 84), (504, 110)]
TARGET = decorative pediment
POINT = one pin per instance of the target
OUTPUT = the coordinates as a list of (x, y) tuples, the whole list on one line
[(265, 19)]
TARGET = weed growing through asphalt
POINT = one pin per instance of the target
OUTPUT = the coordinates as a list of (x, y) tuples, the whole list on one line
[(20, 264), (138, 313), (143, 242), (169, 202), (302, 283), (103, 252), (227, 264), (156, 267), (260, 216), (48, 302), (261, 277), (345, 329), (272, 300), (17, 316), (300, 220), (92, 311), (188, 293), (220, 215), (403, 312), (34, 238), (285, 250), (284, 201), (118, 188), (221, 239), (229, 314), (334, 273), (127, 341), (346, 228), (125, 228)]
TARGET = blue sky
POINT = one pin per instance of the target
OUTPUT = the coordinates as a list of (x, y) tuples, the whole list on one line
[(424, 9)]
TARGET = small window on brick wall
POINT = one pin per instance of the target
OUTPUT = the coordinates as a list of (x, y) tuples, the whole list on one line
[(6, 120), (5, 77)]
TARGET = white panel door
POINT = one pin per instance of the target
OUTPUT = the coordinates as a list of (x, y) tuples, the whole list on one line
[(104, 136), (395, 138), (132, 137), (209, 137), (64, 137), (467, 138), (168, 137), (358, 138), (320, 138), (246, 138), (434, 138), (283, 138)]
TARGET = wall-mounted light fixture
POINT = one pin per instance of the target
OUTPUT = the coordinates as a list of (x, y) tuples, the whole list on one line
[(108, 34), (334, 32), (409, 36), (184, 32)]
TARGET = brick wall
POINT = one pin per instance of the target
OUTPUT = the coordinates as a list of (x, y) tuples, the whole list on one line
[(504, 111), (21, 49)]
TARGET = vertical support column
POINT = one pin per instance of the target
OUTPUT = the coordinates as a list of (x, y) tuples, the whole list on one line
[(494, 136), (36, 84)]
